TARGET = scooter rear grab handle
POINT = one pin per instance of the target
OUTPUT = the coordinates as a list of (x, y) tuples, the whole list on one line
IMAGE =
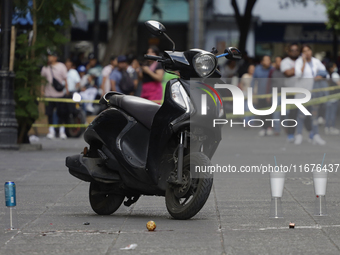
[(106, 98)]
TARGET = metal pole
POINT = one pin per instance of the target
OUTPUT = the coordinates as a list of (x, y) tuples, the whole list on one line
[(196, 23), (335, 46), (5, 30), (11, 218), (96, 28), (8, 122)]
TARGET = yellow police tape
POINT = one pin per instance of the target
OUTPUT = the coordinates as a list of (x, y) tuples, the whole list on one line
[(69, 100), (64, 100), (313, 101), (62, 125)]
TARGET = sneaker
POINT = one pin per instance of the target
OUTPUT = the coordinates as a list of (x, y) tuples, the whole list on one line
[(290, 138), (63, 136), (298, 139), (262, 132), (321, 121), (318, 140), (50, 136), (326, 131), (270, 132), (310, 136), (334, 131)]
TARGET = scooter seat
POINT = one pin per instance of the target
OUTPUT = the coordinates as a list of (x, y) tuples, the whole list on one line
[(141, 109)]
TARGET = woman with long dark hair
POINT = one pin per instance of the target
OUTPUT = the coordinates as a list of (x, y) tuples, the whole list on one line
[(152, 77)]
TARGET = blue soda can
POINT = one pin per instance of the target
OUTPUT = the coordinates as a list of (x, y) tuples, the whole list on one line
[(10, 194)]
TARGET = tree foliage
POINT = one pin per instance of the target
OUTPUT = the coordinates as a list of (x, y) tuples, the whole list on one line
[(30, 52), (333, 13)]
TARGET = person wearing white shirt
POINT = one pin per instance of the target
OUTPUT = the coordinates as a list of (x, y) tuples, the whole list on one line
[(73, 81), (107, 70), (306, 69), (332, 105), (287, 67), (73, 78)]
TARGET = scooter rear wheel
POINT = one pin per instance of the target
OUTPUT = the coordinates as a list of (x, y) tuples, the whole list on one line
[(102, 201), (182, 202)]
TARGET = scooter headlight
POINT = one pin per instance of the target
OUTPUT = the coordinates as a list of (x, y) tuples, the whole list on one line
[(204, 64)]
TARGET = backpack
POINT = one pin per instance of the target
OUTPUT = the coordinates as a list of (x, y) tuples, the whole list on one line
[(126, 83)]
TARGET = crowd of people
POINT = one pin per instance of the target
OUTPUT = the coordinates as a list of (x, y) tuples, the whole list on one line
[(127, 75), (298, 69), (124, 74)]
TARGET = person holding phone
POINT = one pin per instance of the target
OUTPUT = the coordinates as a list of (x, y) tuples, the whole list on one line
[(306, 71)]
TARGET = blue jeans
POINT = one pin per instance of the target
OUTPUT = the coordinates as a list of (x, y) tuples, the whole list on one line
[(314, 119), (277, 115), (331, 109), (246, 109)]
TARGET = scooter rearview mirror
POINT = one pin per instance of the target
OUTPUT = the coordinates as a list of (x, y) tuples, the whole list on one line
[(233, 53), (156, 28)]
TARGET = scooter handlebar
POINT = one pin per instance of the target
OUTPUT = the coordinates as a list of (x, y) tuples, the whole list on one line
[(155, 58)]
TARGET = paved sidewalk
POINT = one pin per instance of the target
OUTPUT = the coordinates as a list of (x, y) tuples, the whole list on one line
[(52, 206)]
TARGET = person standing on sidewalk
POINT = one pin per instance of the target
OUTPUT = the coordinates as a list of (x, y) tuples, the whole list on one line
[(92, 62), (152, 77), (107, 70), (260, 78), (306, 71), (73, 78), (73, 83), (332, 105), (58, 71), (120, 79), (244, 85), (287, 67), (276, 80)]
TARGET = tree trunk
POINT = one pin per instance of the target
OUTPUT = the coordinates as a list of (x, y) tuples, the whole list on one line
[(126, 19), (243, 36), (243, 22), (34, 28)]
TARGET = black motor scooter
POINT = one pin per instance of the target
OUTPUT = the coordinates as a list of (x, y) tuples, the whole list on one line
[(138, 147)]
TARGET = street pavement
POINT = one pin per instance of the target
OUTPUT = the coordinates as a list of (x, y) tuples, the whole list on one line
[(52, 205)]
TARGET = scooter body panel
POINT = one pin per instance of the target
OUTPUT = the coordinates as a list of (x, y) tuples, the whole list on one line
[(124, 143)]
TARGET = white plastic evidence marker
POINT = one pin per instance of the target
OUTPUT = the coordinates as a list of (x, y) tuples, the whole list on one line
[(320, 185), (277, 182)]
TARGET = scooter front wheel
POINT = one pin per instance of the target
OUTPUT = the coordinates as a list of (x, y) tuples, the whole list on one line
[(102, 201), (185, 201)]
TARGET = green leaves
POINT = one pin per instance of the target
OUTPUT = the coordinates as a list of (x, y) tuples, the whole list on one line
[(333, 13), (30, 59)]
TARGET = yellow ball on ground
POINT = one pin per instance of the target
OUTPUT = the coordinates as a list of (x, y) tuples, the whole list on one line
[(151, 225)]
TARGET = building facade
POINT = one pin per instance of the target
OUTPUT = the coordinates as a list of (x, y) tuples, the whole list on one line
[(274, 26)]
